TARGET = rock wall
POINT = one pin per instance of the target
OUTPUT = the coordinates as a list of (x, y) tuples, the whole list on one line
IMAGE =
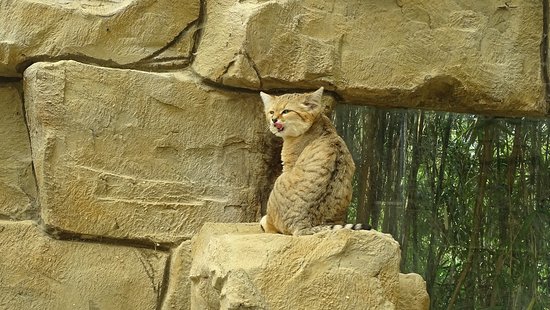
[(126, 125)]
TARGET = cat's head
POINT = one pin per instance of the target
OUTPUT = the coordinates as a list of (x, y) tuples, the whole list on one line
[(291, 115)]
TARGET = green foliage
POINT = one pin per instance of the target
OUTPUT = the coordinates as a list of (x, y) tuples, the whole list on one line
[(467, 197)]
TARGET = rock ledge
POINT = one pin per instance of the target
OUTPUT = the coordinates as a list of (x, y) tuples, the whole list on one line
[(235, 266)]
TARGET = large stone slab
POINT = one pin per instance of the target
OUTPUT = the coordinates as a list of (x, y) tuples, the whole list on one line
[(235, 266), (37, 272), (456, 55), (17, 184), (114, 32), (147, 156)]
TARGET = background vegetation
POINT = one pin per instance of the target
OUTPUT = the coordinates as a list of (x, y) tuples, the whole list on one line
[(466, 196)]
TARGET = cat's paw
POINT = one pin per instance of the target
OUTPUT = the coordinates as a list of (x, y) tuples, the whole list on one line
[(266, 226), (263, 222)]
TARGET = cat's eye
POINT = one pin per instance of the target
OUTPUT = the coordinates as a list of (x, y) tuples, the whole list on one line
[(285, 112), (271, 112)]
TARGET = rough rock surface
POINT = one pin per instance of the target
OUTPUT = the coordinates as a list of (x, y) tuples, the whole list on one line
[(136, 155), (235, 266), (112, 32), (179, 285), (17, 185), (465, 55), (43, 273), (412, 292)]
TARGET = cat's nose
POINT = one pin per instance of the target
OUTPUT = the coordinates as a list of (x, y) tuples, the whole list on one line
[(274, 120)]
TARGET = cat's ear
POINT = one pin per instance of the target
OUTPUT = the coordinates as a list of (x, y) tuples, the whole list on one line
[(313, 101), (317, 95), (267, 99)]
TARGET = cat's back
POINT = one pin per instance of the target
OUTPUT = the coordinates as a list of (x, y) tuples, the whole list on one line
[(328, 161)]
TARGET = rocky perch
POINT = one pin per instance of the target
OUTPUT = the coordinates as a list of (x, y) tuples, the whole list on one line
[(236, 266)]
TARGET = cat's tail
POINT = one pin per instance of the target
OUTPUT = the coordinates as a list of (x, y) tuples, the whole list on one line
[(316, 229)]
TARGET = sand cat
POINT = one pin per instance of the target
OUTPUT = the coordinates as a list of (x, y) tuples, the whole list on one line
[(314, 190)]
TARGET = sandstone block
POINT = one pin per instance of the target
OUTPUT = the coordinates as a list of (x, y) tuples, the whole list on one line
[(17, 184), (467, 55), (111, 32), (235, 266), (37, 272), (412, 292), (179, 287), (147, 156)]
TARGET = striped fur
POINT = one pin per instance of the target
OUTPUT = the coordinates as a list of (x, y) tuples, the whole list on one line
[(314, 190)]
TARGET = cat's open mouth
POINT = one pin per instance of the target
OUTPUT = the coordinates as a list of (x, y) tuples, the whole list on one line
[(280, 127)]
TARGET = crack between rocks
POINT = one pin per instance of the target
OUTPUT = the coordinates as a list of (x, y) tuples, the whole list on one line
[(275, 91), (544, 52), (10, 79), (149, 271), (142, 243), (226, 69), (217, 85), (35, 201), (170, 44), (160, 65), (245, 54), (253, 64), (163, 293), (197, 36)]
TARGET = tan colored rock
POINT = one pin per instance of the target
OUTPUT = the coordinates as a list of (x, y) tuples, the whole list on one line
[(451, 55), (412, 292), (110, 32), (146, 156), (175, 55), (179, 286), (43, 273), (241, 268), (17, 185)]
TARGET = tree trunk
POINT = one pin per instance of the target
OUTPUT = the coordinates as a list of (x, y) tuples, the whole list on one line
[(368, 168), (397, 197), (387, 186), (378, 187), (409, 221)]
